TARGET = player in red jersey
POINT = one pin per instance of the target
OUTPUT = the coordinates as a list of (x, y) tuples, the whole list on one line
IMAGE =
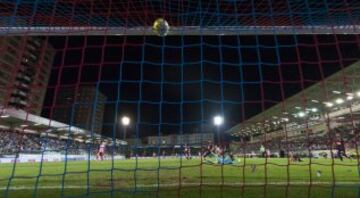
[(101, 152)]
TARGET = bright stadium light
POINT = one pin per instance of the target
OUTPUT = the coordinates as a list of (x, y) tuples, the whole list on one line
[(339, 101), (329, 104), (349, 97), (285, 119), (301, 114), (315, 101), (4, 116), (125, 121), (218, 120), (358, 94), (314, 110)]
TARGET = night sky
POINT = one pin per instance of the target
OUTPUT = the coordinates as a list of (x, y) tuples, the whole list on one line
[(181, 82)]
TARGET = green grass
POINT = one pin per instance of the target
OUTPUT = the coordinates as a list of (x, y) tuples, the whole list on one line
[(181, 178)]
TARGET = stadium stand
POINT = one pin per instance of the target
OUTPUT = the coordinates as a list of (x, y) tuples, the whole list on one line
[(41, 135), (308, 122)]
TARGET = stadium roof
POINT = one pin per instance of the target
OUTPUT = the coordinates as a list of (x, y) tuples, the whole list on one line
[(326, 97), (21, 120), (134, 17)]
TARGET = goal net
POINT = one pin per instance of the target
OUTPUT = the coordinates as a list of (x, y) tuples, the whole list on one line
[(242, 98)]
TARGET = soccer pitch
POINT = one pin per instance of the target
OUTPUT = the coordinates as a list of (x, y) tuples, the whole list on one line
[(175, 177)]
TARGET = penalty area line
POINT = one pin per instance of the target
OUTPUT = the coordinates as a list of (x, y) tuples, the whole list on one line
[(232, 184)]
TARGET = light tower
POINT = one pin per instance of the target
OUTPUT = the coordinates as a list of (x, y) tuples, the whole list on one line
[(218, 121), (125, 121)]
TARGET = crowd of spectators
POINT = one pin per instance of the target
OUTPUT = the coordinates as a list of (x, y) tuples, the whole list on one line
[(302, 144), (13, 142)]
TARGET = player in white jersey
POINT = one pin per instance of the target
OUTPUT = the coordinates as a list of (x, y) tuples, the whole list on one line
[(101, 152)]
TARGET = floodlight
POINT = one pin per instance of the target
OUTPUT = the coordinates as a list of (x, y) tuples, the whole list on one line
[(218, 120), (315, 101), (285, 119), (349, 97), (329, 104), (339, 101), (125, 121), (301, 114)]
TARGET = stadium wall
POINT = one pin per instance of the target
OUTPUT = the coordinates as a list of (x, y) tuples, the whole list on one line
[(51, 157)]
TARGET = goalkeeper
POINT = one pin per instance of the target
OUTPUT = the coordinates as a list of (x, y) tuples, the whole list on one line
[(218, 155)]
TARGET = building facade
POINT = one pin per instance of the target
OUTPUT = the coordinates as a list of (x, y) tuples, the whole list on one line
[(82, 107), (25, 65)]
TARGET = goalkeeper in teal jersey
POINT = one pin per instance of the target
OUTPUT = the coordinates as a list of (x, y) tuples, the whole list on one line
[(218, 155)]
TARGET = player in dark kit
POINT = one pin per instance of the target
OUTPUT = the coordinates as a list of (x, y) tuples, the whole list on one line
[(340, 147), (208, 151), (187, 152)]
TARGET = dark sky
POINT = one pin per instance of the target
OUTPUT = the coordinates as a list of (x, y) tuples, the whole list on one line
[(175, 84)]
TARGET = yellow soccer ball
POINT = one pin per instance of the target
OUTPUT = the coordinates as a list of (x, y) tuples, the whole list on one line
[(161, 27)]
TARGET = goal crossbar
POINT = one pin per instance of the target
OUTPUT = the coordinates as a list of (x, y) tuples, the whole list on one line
[(179, 30)]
